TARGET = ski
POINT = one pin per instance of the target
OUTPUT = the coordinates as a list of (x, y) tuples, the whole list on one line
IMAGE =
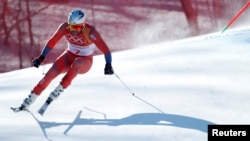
[(18, 109), (44, 107)]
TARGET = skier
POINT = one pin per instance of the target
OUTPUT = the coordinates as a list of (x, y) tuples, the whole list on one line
[(82, 39)]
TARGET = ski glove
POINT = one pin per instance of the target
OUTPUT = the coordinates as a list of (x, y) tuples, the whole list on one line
[(108, 70), (36, 62)]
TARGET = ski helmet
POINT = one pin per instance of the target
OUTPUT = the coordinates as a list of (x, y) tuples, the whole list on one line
[(76, 16)]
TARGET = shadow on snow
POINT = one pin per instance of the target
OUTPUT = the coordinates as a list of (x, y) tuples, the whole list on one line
[(159, 119)]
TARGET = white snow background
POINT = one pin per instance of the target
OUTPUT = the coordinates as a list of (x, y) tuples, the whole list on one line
[(180, 87)]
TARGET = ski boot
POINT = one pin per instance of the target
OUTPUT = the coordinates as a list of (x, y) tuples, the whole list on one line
[(26, 103)]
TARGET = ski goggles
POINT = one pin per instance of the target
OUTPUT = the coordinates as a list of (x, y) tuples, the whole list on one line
[(76, 27)]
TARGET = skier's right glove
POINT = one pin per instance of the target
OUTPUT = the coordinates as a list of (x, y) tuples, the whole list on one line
[(37, 62)]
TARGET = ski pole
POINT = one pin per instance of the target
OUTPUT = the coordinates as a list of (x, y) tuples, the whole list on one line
[(43, 69), (137, 96), (124, 84), (236, 16)]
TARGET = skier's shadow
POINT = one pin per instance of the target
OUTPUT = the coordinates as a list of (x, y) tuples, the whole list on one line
[(157, 119)]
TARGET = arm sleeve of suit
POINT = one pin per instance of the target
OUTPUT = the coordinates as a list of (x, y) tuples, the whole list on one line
[(99, 42), (53, 40)]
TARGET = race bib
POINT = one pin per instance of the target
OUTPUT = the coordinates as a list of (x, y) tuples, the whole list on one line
[(81, 50)]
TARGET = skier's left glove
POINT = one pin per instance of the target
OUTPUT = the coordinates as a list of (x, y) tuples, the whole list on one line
[(108, 70)]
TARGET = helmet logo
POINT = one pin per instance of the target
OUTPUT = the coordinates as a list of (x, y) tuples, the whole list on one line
[(81, 14)]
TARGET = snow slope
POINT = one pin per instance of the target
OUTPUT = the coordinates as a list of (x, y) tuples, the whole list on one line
[(180, 87)]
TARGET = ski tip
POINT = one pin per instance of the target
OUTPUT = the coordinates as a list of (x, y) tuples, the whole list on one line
[(12, 108), (44, 107), (17, 109), (41, 112)]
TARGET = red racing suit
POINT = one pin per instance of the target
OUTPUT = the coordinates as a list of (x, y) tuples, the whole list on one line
[(76, 59)]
